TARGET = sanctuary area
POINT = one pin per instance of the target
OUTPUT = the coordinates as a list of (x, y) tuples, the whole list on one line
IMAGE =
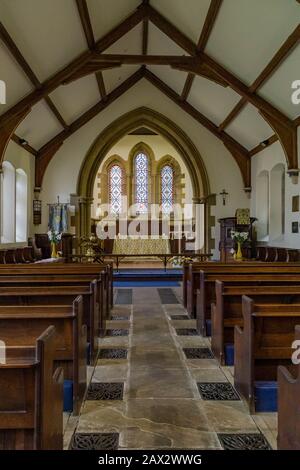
[(149, 226)]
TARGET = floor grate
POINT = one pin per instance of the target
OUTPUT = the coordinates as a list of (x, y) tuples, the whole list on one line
[(167, 296)]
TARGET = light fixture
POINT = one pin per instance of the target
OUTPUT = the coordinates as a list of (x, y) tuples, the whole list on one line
[(23, 142), (248, 190), (265, 143)]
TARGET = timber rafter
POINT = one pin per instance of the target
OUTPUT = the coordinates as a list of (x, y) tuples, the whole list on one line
[(90, 39), (196, 62)]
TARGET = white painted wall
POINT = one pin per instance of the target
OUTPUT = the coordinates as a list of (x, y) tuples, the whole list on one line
[(62, 173), (267, 160)]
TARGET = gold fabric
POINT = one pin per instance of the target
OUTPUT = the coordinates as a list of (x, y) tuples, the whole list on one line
[(149, 246), (242, 216)]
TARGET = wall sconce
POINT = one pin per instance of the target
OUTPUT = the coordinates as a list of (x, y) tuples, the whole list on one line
[(248, 190), (294, 175), (224, 194)]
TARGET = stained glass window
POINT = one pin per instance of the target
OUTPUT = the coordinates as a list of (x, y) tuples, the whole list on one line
[(141, 182), (115, 189), (167, 189)]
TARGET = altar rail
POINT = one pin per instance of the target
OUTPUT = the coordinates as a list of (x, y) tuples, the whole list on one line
[(118, 258)]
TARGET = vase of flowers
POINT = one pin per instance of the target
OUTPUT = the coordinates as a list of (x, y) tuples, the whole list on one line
[(178, 261), (239, 238), (54, 237)]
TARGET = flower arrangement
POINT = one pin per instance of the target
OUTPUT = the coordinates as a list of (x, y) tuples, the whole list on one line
[(180, 260), (54, 236), (91, 245), (239, 237)]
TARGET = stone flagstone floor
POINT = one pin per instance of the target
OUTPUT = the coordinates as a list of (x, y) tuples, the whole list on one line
[(163, 405)]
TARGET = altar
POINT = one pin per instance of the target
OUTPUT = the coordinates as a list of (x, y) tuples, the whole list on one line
[(141, 246)]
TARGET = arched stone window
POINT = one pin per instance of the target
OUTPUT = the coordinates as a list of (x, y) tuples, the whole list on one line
[(262, 205), (167, 189), (21, 206), (115, 184), (141, 171), (8, 203), (277, 202)]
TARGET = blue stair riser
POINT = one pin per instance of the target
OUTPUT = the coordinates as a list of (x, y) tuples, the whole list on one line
[(131, 275), (146, 283)]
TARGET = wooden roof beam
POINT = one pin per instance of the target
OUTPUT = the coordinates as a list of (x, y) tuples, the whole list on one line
[(107, 61), (46, 153), (210, 19), (90, 39), (201, 58), (240, 153), (238, 86), (19, 58), (145, 37), (263, 145), (61, 76), (7, 131), (285, 50), (24, 145)]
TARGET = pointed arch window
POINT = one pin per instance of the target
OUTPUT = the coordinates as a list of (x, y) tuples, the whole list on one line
[(115, 189), (141, 166), (167, 189)]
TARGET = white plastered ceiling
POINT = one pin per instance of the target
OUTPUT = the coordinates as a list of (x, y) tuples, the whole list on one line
[(244, 38)]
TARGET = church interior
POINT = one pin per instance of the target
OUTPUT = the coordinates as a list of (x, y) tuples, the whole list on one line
[(149, 225)]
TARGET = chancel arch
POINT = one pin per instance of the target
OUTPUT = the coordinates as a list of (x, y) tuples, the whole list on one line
[(95, 164), (156, 121)]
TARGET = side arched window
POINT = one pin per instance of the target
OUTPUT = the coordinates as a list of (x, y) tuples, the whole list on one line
[(167, 189)]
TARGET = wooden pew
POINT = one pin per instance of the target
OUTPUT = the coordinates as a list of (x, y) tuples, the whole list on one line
[(20, 325), (31, 397), (206, 290), (105, 272), (263, 344), (95, 306), (191, 277), (2, 256), (60, 295), (226, 312), (289, 405)]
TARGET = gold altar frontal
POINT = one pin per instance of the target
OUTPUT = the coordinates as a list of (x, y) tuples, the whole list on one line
[(141, 246)]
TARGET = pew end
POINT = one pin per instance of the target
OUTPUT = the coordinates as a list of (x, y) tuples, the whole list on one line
[(31, 397), (243, 355), (49, 395), (289, 406)]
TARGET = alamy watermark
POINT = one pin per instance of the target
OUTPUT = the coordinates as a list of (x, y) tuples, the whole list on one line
[(2, 92), (296, 94), (2, 352), (296, 353)]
